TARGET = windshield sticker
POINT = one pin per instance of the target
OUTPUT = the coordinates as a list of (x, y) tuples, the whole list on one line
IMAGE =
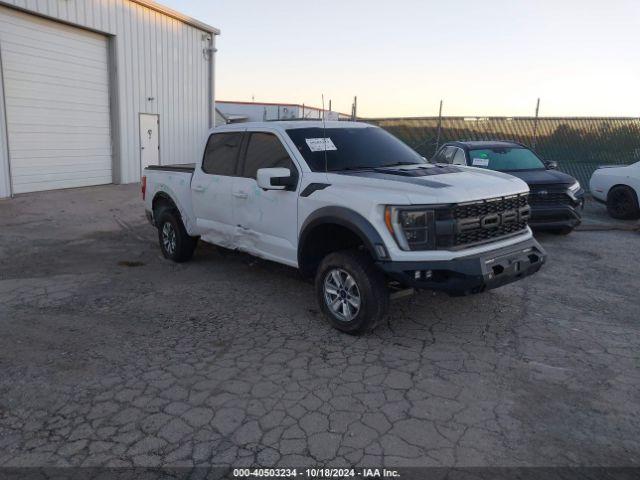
[(320, 144), (480, 162)]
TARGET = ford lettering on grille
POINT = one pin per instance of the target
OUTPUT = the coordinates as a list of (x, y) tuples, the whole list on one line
[(488, 220), (495, 220)]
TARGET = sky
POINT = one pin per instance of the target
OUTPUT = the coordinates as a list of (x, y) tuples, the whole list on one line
[(481, 57)]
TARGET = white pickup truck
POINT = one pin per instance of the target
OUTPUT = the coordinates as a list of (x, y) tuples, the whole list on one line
[(348, 204)]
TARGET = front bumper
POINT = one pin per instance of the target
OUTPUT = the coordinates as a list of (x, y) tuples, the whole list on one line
[(558, 216), (471, 274)]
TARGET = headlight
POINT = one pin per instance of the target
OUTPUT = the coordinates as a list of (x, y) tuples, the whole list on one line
[(411, 227), (575, 187)]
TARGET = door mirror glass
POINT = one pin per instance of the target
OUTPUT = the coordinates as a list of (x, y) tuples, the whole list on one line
[(275, 178), (551, 165)]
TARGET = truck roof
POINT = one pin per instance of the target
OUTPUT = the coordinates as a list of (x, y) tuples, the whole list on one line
[(293, 124), (473, 144)]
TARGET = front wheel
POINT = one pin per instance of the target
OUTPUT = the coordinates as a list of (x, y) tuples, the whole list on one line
[(622, 203), (351, 292)]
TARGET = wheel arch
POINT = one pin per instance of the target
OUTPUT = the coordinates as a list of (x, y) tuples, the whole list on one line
[(162, 197), (325, 229), (630, 187)]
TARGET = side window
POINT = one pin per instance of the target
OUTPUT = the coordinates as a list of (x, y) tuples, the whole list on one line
[(437, 158), (221, 154), (459, 157), (446, 155), (265, 150)]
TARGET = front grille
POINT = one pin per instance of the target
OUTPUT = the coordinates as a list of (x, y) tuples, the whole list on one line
[(483, 221), (542, 197), (486, 207), (482, 235)]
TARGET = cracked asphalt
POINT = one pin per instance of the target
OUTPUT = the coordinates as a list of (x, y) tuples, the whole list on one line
[(112, 356)]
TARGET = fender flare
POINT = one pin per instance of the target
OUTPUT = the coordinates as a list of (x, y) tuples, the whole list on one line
[(162, 195), (343, 217)]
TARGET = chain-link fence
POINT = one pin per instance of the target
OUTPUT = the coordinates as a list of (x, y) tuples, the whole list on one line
[(579, 145)]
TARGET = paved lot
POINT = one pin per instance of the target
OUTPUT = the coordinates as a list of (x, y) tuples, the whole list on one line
[(226, 360)]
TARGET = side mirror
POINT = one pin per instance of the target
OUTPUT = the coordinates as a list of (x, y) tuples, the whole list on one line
[(275, 178), (551, 165)]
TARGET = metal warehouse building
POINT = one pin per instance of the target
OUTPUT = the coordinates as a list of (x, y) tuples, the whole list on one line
[(91, 91)]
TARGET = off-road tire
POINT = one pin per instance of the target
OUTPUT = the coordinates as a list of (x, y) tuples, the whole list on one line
[(371, 286), (622, 203), (168, 218)]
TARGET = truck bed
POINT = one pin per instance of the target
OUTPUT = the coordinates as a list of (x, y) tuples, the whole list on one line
[(178, 167), (173, 181)]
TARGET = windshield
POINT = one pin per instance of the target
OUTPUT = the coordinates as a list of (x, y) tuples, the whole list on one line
[(351, 148), (505, 159)]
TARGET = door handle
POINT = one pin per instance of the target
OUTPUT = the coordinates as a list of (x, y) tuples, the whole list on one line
[(241, 194), (198, 188)]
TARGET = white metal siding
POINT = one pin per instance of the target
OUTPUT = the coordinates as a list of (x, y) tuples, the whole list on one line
[(56, 90), (5, 186), (155, 56)]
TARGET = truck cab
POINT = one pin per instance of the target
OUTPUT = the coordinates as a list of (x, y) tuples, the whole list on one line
[(349, 205)]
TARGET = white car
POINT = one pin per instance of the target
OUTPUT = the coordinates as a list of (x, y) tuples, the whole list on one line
[(350, 204), (619, 188)]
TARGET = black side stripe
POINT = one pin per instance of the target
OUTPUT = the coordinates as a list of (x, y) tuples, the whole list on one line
[(312, 187)]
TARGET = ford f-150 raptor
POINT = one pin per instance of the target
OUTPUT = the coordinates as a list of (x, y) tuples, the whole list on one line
[(348, 204)]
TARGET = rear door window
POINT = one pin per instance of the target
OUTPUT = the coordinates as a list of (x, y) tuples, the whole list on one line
[(221, 154)]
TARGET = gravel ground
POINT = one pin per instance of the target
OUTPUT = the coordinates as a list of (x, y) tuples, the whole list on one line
[(111, 355)]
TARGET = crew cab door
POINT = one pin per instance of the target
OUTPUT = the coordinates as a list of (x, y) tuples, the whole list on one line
[(267, 220), (211, 188)]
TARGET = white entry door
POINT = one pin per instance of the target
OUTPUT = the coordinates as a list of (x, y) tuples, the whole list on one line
[(149, 140)]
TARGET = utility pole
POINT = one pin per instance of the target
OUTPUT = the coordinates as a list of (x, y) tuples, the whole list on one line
[(439, 127), (535, 126), (354, 109)]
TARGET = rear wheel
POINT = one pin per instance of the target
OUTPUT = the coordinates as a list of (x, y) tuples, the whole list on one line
[(175, 242), (351, 292), (622, 203)]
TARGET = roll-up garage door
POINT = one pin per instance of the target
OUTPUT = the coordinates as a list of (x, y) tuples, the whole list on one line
[(56, 93)]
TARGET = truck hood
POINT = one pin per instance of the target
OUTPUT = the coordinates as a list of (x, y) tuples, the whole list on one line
[(543, 177), (431, 184)]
